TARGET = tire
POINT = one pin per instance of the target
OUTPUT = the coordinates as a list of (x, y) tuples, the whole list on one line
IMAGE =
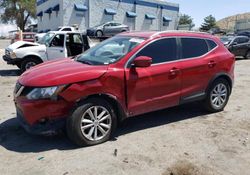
[(27, 63), (247, 55), (219, 90), (89, 133), (99, 33)]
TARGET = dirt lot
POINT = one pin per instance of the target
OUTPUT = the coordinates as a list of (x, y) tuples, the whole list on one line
[(177, 141)]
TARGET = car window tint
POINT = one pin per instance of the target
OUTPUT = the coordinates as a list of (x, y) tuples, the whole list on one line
[(193, 47), (161, 51), (66, 29), (211, 44), (243, 40)]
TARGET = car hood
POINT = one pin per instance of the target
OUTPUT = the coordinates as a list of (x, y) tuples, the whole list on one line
[(19, 44), (60, 72)]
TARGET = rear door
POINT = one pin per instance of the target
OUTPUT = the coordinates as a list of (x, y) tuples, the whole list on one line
[(57, 48), (197, 66), (157, 86), (242, 47)]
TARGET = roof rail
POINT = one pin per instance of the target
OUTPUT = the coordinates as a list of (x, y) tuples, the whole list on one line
[(178, 31)]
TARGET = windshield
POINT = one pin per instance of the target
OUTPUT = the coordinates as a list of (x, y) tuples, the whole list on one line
[(109, 51), (46, 38), (226, 40)]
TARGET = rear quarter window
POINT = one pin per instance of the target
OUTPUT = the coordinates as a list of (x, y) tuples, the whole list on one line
[(193, 47), (211, 44)]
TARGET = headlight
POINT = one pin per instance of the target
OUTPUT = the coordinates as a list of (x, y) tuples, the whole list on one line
[(44, 93), (12, 54)]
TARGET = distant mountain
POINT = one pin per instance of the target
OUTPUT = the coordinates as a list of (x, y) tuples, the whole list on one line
[(228, 23)]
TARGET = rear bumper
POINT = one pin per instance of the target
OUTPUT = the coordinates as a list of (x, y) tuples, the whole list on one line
[(9, 60)]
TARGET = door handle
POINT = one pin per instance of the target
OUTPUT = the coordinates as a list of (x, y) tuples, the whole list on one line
[(174, 71), (61, 51), (211, 64)]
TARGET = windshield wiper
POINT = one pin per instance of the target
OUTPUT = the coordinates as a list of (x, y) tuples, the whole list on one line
[(84, 62)]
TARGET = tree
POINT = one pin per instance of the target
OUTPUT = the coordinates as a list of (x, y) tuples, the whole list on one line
[(18, 11), (209, 23), (185, 20)]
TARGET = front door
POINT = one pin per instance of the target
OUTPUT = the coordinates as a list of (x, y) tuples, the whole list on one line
[(56, 48), (157, 86)]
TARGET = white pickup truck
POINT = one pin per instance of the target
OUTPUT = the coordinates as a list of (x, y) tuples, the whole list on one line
[(53, 45)]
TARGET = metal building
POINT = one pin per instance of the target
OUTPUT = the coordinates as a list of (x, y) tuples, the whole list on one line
[(137, 14)]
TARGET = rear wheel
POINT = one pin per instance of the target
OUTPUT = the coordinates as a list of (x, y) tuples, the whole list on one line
[(28, 63), (99, 33), (92, 122), (218, 95), (247, 55)]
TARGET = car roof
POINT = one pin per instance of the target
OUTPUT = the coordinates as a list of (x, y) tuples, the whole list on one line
[(156, 34), (63, 32)]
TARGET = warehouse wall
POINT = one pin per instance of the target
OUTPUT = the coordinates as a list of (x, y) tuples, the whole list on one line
[(95, 15), (53, 20), (73, 17)]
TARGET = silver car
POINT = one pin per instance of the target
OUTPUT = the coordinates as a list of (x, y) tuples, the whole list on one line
[(107, 29)]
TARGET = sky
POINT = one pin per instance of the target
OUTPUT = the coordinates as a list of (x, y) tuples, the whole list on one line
[(199, 9)]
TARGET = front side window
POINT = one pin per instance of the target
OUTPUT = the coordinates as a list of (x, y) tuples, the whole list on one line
[(109, 51), (58, 41), (160, 51), (46, 38), (193, 47)]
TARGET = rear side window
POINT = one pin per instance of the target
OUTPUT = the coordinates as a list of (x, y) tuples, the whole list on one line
[(66, 29), (211, 44), (193, 47), (160, 51)]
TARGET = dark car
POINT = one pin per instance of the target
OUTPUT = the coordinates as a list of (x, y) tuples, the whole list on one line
[(124, 76), (107, 29), (239, 45), (216, 31), (246, 33)]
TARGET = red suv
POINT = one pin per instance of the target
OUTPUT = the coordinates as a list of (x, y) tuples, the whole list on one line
[(126, 75)]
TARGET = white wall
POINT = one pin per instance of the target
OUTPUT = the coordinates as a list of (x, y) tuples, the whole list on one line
[(53, 20), (73, 17), (95, 14)]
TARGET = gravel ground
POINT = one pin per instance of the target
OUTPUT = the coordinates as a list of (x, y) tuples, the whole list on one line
[(181, 140)]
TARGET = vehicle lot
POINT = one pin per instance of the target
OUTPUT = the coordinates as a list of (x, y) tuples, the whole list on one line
[(179, 140)]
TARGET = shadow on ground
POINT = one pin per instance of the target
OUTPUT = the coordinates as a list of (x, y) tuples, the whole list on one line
[(10, 72), (14, 138)]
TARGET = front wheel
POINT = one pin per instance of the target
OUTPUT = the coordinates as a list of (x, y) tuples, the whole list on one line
[(99, 33), (92, 123), (217, 95), (27, 63)]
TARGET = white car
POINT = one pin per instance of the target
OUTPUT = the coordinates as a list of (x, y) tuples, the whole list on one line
[(60, 28), (53, 45)]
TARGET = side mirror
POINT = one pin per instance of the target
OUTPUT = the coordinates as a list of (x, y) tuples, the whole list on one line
[(142, 61)]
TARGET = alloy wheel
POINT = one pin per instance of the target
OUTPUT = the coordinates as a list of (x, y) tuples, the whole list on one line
[(95, 123), (218, 96)]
